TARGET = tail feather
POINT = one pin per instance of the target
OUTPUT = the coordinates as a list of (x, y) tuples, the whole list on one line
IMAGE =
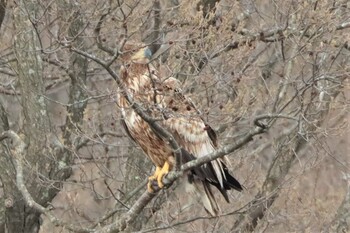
[(212, 207), (203, 193), (200, 179)]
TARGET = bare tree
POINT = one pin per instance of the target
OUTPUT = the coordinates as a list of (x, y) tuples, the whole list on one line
[(271, 77)]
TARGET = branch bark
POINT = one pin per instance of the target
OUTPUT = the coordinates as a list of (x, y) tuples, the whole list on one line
[(29, 68), (154, 33), (43, 150)]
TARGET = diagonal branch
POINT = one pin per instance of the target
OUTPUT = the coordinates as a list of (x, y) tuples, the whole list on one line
[(146, 197)]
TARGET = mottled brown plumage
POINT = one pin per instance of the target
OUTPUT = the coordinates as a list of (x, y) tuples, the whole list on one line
[(164, 101)]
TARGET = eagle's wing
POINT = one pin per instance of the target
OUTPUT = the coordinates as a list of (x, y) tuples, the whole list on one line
[(195, 137)]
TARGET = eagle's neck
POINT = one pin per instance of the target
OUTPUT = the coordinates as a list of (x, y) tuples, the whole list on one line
[(138, 80)]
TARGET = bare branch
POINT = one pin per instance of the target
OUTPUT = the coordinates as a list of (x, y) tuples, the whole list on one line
[(271, 116), (6, 91), (154, 21), (290, 147), (343, 26), (146, 197)]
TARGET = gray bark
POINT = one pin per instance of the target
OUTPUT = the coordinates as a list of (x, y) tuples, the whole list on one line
[(47, 161)]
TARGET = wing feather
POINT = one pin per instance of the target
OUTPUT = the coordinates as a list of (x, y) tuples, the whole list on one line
[(196, 137), (122, 121)]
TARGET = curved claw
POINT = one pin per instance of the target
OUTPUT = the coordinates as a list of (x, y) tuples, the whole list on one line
[(153, 178), (158, 176), (165, 170)]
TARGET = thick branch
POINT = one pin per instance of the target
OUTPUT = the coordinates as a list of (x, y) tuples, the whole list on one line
[(97, 32), (155, 22)]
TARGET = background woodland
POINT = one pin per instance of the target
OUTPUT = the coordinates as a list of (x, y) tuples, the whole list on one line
[(270, 76)]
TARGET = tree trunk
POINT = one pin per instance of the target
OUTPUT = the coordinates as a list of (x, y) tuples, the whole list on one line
[(47, 161)]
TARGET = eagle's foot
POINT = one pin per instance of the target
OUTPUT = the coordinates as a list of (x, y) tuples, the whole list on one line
[(158, 176), (153, 178), (165, 170)]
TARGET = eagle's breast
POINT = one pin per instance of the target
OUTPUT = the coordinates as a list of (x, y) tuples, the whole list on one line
[(140, 87), (157, 150)]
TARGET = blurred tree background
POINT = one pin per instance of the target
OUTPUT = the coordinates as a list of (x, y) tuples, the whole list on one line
[(67, 166)]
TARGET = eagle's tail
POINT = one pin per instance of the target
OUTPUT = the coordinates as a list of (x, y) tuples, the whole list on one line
[(202, 192), (202, 178)]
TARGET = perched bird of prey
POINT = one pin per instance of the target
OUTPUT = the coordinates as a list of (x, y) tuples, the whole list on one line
[(163, 100)]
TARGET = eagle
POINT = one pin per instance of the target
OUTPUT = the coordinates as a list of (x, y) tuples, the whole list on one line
[(163, 100)]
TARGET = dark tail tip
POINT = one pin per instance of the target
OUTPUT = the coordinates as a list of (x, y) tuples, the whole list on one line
[(231, 182)]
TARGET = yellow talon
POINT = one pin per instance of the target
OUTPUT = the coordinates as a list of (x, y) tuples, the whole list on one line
[(152, 178), (165, 170), (158, 175)]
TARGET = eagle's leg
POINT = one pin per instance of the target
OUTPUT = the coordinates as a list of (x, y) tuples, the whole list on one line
[(158, 175), (152, 178), (165, 170)]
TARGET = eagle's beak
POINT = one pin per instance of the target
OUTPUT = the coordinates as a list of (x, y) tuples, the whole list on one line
[(148, 53)]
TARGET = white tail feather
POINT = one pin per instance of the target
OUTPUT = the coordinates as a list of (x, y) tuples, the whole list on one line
[(219, 171), (202, 193)]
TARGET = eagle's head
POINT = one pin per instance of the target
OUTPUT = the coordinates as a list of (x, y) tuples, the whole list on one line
[(136, 53), (134, 59), (143, 55)]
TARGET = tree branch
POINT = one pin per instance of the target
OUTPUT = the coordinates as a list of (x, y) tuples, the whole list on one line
[(154, 35), (146, 197), (290, 147), (97, 33)]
